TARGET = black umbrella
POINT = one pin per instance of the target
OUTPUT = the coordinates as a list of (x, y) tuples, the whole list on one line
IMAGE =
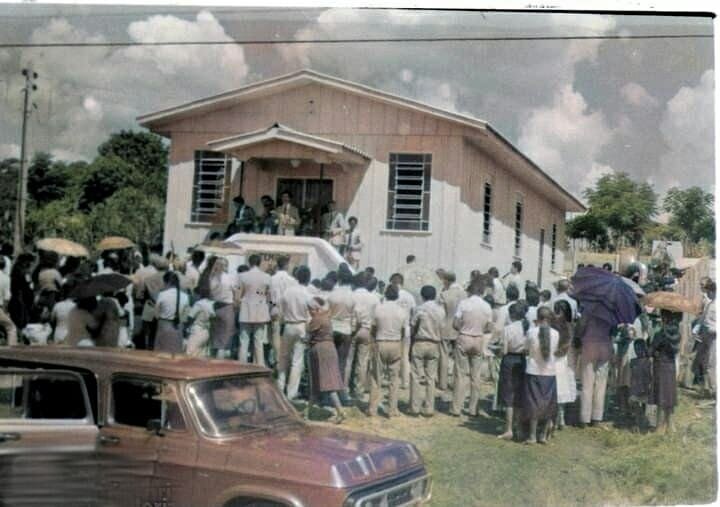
[(100, 284), (610, 298)]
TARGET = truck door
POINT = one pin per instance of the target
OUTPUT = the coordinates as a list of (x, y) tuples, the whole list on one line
[(48, 439)]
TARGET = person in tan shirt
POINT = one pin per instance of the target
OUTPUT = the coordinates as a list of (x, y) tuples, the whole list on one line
[(450, 298), (366, 300), (389, 327), (473, 320), (426, 324)]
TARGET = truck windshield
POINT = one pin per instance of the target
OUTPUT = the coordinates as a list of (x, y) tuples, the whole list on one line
[(230, 405)]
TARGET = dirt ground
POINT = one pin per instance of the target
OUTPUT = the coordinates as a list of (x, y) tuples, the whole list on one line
[(608, 465)]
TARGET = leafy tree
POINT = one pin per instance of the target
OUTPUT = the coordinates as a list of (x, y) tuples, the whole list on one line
[(144, 151), (59, 218), (105, 176), (47, 180), (130, 212), (588, 227), (691, 211), (9, 168), (624, 205)]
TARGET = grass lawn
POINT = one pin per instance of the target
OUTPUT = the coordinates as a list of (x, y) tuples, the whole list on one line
[(593, 466)]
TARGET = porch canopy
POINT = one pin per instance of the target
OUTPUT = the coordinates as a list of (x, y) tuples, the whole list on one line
[(282, 142)]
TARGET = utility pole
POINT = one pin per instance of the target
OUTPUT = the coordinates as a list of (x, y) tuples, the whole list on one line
[(30, 77)]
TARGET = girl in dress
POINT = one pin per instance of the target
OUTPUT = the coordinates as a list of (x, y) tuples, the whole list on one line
[(663, 349), (202, 313), (324, 364), (512, 366), (540, 387), (564, 374), (640, 382)]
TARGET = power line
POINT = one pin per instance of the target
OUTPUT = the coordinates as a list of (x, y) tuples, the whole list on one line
[(352, 41)]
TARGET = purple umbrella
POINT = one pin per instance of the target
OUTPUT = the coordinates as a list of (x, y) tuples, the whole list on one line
[(610, 298)]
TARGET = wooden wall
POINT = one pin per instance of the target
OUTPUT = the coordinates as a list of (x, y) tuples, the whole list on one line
[(459, 172)]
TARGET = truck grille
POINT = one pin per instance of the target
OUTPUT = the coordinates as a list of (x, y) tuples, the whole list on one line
[(413, 490)]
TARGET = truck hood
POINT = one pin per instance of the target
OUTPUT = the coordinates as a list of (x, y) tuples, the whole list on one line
[(322, 456)]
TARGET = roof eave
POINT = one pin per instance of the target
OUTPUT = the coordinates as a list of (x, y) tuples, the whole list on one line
[(573, 204)]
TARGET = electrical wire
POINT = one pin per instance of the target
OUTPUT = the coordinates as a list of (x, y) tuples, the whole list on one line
[(352, 41)]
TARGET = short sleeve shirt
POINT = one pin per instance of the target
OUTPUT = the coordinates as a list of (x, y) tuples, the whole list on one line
[(474, 313), (390, 320), (536, 363)]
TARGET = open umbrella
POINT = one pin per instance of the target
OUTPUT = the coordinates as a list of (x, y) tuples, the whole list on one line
[(673, 302), (114, 243), (62, 247), (100, 284), (634, 286), (611, 299)]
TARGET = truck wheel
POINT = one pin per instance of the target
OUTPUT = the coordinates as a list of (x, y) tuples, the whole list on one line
[(252, 502)]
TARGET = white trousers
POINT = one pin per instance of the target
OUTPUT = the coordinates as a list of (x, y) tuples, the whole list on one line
[(291, 360)]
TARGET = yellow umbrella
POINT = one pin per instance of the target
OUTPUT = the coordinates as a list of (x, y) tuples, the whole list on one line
[(114, 243), (62, 247)]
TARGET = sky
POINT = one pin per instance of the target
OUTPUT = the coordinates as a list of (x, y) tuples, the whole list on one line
[(578, 108)]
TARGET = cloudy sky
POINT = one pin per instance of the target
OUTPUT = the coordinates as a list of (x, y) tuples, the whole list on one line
[(579, 108)]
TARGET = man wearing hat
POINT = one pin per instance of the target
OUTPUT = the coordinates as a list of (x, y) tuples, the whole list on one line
[(243, 219)]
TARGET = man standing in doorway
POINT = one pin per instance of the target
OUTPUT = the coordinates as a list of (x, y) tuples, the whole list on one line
[(334, 227), (254, 288), (288, 216), (353, 243)]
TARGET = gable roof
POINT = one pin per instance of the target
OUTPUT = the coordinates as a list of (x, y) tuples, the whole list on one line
[(305, 76), (280, 132)]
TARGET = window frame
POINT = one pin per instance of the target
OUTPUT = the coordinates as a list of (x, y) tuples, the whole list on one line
[(200, 217), (422, 222), (88, 420), (519, 219), (487, 213), (553, 246), (110, 406)]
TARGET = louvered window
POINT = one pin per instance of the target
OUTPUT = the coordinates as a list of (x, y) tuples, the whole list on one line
[(212, 171), (409, 192)]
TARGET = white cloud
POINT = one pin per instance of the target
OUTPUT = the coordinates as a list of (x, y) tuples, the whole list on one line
[(565, 138), (84, 94), (635, 95), (687, 128), (9, 151)]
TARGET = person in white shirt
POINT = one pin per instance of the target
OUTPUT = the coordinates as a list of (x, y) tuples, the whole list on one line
[(5, 321), (366, 300), (218, 284), (353, 243), (427, 328), (333, 223), (170, 310), (540, 385), (515, 278), (512, 367), (4, 284), (279, 283), (194, 267), (202, 314), (473, 321), (450, 298), (60, 314), (294, 309), (502, 314), (407, 302), (389, 327), (342, 305), (561, 294), (497, 289), (254, 290), (532, 298)]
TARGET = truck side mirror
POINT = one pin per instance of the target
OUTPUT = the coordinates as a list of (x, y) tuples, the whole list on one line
[(155, 426)]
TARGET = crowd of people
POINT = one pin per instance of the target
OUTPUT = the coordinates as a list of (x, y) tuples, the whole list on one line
[(346, 336)]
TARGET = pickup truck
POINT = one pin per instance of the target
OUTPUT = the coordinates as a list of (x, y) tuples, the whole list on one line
[(95, 426)]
